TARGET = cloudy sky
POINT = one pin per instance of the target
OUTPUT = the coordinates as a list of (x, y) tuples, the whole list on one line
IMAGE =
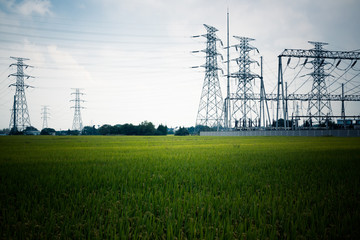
[(132, 58)]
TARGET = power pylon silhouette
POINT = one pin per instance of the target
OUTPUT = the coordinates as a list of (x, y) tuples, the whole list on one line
[(77, 122), (319, 107), (245, 110), (210, 112), (20, 118), (45, 115)]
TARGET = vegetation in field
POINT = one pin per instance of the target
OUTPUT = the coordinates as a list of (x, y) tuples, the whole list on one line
[(107, 187), (145, 128), (181, 132)]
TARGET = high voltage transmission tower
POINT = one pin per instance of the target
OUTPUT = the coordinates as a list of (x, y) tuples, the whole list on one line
[(318, 106), (210, 111), (77, 122), (245, 111), (20, 118), (45, 115)]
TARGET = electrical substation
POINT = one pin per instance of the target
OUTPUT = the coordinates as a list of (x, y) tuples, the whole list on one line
[(316, 89)]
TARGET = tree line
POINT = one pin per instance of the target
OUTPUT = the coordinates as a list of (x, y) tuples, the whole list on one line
[(145, 128)]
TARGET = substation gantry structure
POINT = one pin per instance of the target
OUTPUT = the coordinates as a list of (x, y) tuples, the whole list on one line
[(210, 111), (318, 98), (20, 118)]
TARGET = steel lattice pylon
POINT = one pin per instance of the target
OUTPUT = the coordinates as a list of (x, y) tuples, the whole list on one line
[(20, 118), (77, 122), (244, 112), (210, 112), (319, 107), (45, 116)]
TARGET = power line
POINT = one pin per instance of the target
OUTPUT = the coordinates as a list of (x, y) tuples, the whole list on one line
[(347, 81), (129, 48), (96, 41), (68, 21), (81, 32)]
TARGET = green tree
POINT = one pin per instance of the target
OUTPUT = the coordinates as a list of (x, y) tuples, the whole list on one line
[(87, 130), (161, 130), (146, 128), (182, 131), (116, 129), (48, 131), (129, 129), (105, 129)]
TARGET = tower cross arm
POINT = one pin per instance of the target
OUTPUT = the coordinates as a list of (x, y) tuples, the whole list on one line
[(210, 28), (20, 75), (78, 107), (20, 59), (312, 53), (21, 64), (242, 75), (244, 38), (20, 85)]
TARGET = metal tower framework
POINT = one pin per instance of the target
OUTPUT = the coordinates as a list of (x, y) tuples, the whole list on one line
[(210, 111), (44, 116), (245, 111), (77, 122), (20, 118), (319, 107), (318, 99)]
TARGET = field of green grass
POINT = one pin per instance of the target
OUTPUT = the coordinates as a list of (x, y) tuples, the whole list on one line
[(119, 187)]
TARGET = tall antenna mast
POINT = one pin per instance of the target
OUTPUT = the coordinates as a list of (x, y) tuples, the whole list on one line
[(227, 100), (20, 118)]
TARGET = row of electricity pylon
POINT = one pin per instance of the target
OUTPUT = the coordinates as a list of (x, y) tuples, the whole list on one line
[(20, 117)]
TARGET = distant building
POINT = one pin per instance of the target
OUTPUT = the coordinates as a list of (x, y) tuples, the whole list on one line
[(32, 132), (357, 124), (348, 122)]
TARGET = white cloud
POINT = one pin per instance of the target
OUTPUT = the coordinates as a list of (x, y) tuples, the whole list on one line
[(60, 57), (8, 4), (29, 7)]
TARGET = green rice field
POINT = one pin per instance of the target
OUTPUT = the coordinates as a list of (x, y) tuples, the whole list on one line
[(123, 187)]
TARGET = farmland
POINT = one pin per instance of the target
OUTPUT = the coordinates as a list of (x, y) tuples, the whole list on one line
[(168, 187)]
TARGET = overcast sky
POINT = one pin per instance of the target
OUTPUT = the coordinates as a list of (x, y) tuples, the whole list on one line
[(132, 58)]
